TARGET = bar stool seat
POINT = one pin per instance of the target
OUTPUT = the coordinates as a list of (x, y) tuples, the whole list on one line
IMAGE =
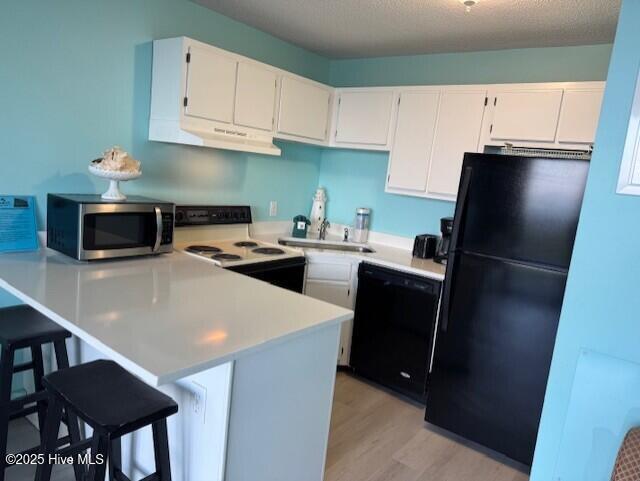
[(113, 403), (22, 326), (109, 398)]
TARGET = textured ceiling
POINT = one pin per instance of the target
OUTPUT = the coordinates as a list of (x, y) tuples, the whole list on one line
[(366, 28)]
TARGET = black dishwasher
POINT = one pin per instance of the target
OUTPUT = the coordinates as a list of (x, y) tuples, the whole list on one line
[(393, 328)]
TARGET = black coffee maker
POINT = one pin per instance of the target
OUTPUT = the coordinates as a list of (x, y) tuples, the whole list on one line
[(446, 228)]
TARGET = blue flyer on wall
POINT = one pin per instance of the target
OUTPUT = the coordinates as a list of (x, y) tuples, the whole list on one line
[(18, 231)]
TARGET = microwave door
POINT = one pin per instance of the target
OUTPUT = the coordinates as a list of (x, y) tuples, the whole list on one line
[(120, 232)]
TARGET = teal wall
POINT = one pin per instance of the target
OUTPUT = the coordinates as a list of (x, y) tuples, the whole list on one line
[(593, 394), (555, 64), (355, 179), (76, 78)]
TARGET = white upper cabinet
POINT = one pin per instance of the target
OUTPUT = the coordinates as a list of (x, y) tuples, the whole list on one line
[(526, 115), (256, 89), (434, 129), (211, 85), (458, 131), (413, 141), (304, 109), (363, 117), (579, 115)]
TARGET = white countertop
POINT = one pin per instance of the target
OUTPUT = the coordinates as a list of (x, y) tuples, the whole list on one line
[(384, 255), (163, 317)]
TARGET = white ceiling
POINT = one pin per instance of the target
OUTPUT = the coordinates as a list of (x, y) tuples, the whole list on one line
[(366, 28)]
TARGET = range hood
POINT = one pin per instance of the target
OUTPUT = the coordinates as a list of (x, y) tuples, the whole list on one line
[(231, 140), (217, 138)]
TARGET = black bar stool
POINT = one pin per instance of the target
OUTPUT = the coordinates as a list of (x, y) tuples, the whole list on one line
[(22, 327), (113, 403)]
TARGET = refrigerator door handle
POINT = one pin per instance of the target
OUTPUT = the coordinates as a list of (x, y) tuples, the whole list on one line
[(461, 206), (446, 293), (448, 281)]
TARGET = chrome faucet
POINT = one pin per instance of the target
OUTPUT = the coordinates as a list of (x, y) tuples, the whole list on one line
[(324, 225)]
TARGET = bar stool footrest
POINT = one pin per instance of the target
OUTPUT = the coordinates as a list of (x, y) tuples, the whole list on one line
[(36, 449), (74, 448), (35, 397), (25, 366), (23, 412), (151, 477)]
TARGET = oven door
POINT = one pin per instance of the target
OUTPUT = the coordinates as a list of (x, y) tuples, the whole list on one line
[(122, 230), (285, 273)]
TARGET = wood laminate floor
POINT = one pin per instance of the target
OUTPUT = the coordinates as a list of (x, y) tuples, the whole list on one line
[(375, 436)]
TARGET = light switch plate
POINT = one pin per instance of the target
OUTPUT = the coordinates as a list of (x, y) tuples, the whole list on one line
[(273, 208)]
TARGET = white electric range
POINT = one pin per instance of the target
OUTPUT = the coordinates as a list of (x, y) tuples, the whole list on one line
[(220, 235)]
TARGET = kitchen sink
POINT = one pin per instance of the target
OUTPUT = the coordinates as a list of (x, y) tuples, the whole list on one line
[(325, 244)]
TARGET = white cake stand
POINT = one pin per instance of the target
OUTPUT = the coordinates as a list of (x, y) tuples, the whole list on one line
[(113, 192)]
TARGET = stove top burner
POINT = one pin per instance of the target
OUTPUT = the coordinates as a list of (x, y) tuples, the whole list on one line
[(246, 244), (268, 251), (198, 248), (226, 257)]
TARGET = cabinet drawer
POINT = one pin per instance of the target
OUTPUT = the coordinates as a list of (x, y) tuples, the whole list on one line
[(329, 271)]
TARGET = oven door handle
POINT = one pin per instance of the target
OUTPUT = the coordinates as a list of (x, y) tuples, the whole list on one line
[(156, 246)]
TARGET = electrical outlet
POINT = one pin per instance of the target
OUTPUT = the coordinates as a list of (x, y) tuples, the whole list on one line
[(273, 208), (198, 400)]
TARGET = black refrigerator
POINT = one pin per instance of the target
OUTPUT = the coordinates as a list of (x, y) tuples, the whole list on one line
[(514, 228)]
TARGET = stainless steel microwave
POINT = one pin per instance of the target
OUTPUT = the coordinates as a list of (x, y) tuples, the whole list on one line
[(87, 227)]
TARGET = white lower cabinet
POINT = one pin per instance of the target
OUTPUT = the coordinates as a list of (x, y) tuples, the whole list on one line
[(333, 279)]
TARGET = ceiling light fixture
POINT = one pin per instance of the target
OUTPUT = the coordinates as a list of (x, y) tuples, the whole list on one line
[(468, 4)]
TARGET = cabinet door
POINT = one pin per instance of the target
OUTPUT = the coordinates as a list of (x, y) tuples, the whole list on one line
[(211, 85), (333, 292), (579, 116), (364, 117), (526, 115), (458, 131), (413, 140), (255, 97), (337, 293), (304, 109)]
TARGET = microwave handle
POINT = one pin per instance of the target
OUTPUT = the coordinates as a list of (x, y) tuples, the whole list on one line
[(158, 212)]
